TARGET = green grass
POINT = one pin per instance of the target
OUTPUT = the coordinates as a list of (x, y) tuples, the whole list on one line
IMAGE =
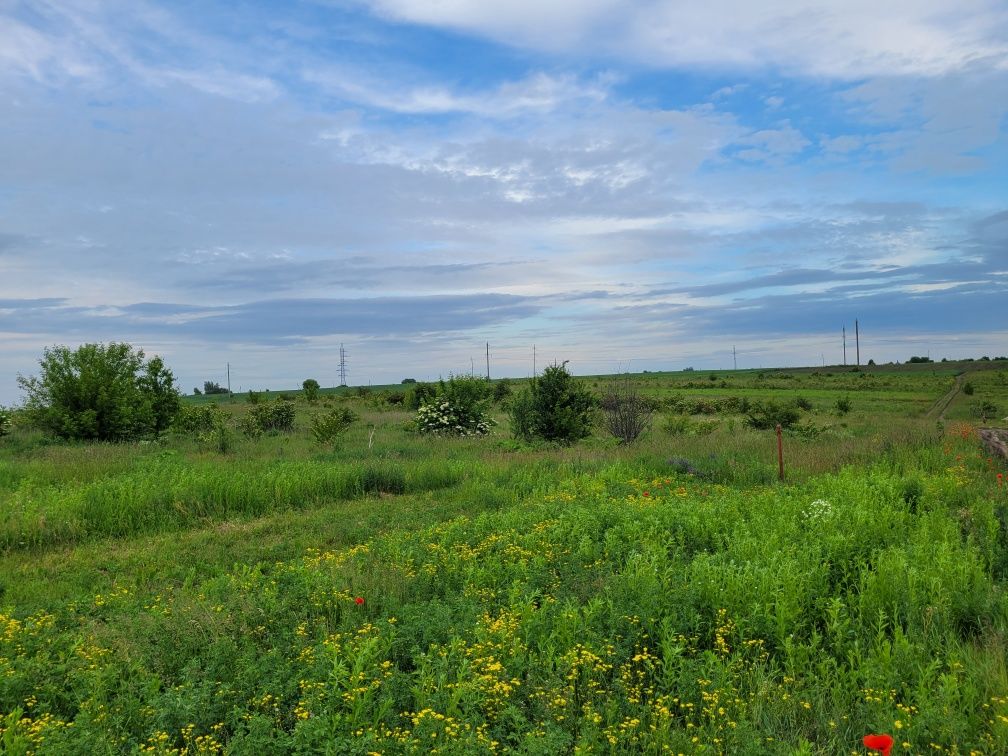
[(167, 598)]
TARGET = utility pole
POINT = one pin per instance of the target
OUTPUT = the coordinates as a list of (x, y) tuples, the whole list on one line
[(845, 346), (488, 360), (857, 343), (734, 361), (342, 365), (533, 361), (472, 367), (229, 379)]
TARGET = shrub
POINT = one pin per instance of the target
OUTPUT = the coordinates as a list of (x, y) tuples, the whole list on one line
[(968, 388), (310, 387), (843, 405), (101, 392), (4, 422), (501, 391), (984, 409), (266, 418), (328, 427), (459, 408), (769, 414), (212, 387), (803, 404), (254, 397), (627, 414), (553, 407), (684, 425), (198, 419), (419, 395), (394, 398), (219, 438)]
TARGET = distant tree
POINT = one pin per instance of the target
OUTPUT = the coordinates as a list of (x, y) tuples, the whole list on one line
[(919, 359), (311, 389), (197, 392), (101, 392), (212, 387), (409, 380)]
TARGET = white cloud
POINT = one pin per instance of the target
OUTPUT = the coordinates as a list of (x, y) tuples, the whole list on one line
[(848, 39)]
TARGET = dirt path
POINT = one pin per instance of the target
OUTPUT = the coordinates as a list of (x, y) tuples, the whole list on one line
[(938, 408)]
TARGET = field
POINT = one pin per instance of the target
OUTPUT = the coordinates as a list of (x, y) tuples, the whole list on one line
[(400, 593)]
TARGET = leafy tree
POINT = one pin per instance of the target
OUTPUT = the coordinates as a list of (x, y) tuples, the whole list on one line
[(105, 392), (311, 389), (212, 387), (553, 407)]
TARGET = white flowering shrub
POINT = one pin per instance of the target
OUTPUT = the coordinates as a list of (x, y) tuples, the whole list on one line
[(458, 409)]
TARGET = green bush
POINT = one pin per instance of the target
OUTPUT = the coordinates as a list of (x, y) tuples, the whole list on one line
[(459, 408), (101, 392), (501, 391), (968, 388), (803, 404), (419, 395), (310, 387), (266, 418), (4, 422), (843, 405), (553, 407), (984, 410), (769, 414), (254, 397), (198, 419), (327, 428)]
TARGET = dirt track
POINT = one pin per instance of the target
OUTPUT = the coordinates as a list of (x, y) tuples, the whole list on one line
[(938, 408)]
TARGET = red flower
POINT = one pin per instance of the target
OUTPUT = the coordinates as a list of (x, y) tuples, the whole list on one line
[(646, 493), (881, 743), (1000, 477), (359, 600)]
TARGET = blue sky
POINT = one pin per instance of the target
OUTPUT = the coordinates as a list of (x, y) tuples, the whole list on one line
[(623, 185)]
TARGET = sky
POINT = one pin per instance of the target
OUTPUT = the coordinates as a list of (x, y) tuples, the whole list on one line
[(627, 186)]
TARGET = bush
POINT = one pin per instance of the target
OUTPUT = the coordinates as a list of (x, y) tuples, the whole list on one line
[(803, 404), (266, 418), (769, 414), (627, 414), (254, 397), (984, 410), (101, 392), (419, 395), (219, 438), (843, 405), (501, 391), (198, 419), (459, 408), (553, 407), (310, 387), (968, 388), (4, 422), (328, 427)]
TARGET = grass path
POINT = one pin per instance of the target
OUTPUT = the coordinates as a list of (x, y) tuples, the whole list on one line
[(937, 410)]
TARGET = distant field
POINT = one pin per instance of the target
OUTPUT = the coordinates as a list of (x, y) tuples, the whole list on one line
[(670, 595)]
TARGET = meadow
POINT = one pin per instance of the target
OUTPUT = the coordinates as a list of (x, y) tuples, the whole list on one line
[(402, 593)]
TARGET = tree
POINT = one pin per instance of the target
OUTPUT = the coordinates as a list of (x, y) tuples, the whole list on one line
[(101, 392), (311, 389), (627, 414), (554, 407)]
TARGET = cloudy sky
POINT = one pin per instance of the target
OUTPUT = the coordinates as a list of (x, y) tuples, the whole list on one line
[(637, 185)]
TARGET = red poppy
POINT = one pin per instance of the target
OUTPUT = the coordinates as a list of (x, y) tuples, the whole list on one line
[(881, 743), (359, 600), (1000, 477), (646, 493)]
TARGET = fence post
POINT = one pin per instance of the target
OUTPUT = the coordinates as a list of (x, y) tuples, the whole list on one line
[(780, 454)]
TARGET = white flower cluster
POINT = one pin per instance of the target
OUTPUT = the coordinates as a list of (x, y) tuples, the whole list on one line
[(443, 419), (818, 511)]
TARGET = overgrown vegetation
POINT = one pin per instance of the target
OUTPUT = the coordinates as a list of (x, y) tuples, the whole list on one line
[(553, 407), (103, 392), (460, 408), (364, 597)]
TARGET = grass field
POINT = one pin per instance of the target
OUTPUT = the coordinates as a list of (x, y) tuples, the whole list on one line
[(402, 593)]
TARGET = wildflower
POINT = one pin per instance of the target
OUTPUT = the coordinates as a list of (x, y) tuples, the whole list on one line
[(647, 493), (359, 601), (881, 743), (1000, 479)]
